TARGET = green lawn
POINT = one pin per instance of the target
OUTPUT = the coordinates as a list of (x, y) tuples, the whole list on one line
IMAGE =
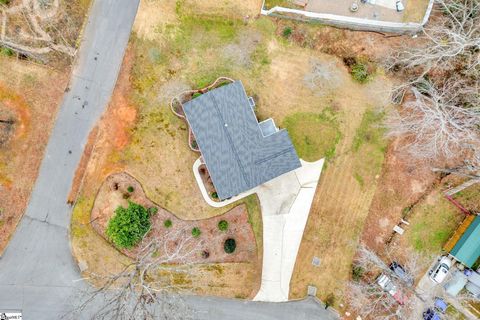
[(314, 135), (369, 144), (432, 225)]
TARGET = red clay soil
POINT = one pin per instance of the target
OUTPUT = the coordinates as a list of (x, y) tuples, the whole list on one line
[(113, 193), (402, 183), (110, 135)]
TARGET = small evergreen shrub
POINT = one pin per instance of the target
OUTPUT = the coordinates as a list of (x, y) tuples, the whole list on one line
[(223, 225), (196, 232), (230, 245), (130, 189), (287, 31), (129, 225), (214, 195), (167, 223), (360, 72), (357, 272)]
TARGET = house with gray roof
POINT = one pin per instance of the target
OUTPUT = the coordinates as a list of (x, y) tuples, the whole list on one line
[(239, 152)]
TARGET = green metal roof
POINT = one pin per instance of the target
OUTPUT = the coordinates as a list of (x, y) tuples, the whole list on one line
[(467, 249)]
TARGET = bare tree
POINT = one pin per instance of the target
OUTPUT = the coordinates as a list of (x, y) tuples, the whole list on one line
[(450, 42), (143, 289), (371, 301), (38, 27), (439, 122)]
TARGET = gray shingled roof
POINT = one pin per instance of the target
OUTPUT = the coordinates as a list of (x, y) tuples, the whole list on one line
[(237, 155)]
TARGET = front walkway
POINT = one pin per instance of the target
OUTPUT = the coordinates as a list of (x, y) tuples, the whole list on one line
[(285, 202)]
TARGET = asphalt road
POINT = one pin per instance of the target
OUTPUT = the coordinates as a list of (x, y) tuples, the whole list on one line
[(38, 275)]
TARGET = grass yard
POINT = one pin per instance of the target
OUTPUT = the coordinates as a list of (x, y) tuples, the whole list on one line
[(369, 142), (470, 197), (432, 223), (334, 225), (415, 10), (314, 135)]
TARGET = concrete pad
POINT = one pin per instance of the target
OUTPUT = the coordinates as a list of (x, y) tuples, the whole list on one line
[(286, 203)]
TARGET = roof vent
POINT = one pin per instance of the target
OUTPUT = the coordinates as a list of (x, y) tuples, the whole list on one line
[(251, 102)]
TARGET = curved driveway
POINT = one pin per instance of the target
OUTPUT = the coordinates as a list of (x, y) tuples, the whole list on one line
[(38, 275)]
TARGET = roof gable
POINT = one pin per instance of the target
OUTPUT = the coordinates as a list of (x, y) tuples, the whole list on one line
[(467, 249)]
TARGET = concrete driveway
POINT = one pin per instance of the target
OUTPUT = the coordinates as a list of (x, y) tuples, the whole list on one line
[(285, 203)]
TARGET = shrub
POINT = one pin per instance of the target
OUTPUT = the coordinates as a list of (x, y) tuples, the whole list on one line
[(357, 272), (196, 94), (214, 195), (330, 300), (129, 225), (196, 232), (130, 189), (167, 223), (152, 211), (230, 245), (4, 1), (223, 225), (287, 31), (4, 50), (360, 72)]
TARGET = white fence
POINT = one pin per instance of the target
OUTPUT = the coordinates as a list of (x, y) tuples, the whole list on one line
[(351, 22)]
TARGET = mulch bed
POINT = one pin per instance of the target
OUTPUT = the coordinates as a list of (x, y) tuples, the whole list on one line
[(206, 248)]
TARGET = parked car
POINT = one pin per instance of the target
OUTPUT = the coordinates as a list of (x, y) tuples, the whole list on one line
[(440, 270), (388, 286), (440, 305), (401, 273), (400, 6), (430, 314)]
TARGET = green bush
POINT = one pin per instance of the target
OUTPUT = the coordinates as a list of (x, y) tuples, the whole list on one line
[(196, 94), (360, 72), (4, 51), (287, 31), (129, 225), (223, 225), (4, 1), (167, 223), (152, 211), (357, 272), (130, 189), (230, 245), (196, 232), (214, 195)]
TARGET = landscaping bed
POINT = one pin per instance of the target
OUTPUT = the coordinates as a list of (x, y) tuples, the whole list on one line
[(119, 189)]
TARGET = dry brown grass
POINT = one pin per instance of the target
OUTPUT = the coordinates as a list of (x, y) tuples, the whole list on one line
[(341, 203), (415, 10)]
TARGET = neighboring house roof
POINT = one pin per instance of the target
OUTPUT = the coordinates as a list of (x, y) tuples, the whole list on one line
[(237, 155), (467, 249)]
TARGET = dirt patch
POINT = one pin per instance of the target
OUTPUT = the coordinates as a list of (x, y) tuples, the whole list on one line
[(29, 96), (402, 183), (113, 193)]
